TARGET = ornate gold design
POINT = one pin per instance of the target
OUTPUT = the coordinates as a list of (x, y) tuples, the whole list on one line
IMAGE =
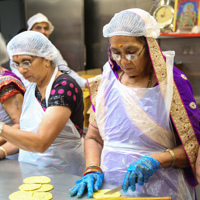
[(193, 105), (183, 76), (178, 112), (93, 88)]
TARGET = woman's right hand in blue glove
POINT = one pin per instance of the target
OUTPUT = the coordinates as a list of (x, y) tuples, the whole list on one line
[(91, 181)]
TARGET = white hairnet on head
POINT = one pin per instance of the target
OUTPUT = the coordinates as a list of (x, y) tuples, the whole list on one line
[(3, 51), (37, 18), (132, 22), (32, 43)]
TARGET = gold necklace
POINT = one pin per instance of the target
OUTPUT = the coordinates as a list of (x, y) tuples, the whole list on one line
[(150, 76), (148, 84), (120, 78)]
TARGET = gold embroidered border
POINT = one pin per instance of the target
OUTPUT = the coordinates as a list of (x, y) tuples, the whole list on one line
[(178, 111), (93, 88)]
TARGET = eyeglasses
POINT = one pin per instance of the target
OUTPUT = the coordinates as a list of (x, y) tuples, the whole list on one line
[(24, 64), (129, 57)]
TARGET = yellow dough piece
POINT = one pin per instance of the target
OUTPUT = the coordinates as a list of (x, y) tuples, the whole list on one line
[(29, 187), (34, 188), (43, 195), (37, 179), (100, 194), (44, 188), (22, 195)]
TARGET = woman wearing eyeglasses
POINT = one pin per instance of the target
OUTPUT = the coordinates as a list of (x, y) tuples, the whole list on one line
[(11, 99), (51, 122), (144, 128)]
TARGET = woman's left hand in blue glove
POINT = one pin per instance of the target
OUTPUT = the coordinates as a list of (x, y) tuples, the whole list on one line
[(139, 172)]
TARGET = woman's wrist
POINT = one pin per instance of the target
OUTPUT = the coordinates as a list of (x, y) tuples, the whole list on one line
[(164, 158), (92, 168), (173, 156), (3, 153)]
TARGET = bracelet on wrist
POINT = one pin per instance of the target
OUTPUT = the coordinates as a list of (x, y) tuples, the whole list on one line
[(173, 156), (1, 127), (5, 153), (92, 168)]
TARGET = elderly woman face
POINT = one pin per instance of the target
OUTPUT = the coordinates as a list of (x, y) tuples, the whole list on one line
[(42, 27), (129, 53), (33, 69)]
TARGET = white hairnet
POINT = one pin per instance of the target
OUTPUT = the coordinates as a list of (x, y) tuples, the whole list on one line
[(3, 51), (132, 22), (32, 43), (37, 18)]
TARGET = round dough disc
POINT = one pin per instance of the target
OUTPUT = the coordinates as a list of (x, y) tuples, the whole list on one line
[(22, 195), (37, 179), (44, 188), (29, 187), (43, 195), (100, 194)]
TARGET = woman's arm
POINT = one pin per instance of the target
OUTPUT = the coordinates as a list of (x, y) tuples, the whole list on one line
[(93, 145), (53, 121), (13, 106), (2, 141), (9, 148), (165, 159), (198, 167)]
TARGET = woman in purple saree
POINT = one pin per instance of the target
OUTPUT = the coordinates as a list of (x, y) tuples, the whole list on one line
[(144, 128)]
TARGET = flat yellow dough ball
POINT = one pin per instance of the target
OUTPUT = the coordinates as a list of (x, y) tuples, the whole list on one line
[(100, 194), (22, 195), (43, 195), (37, 179), (44, 188), (29, 187)]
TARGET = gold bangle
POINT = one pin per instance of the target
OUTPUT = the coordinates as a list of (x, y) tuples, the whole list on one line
[(173, 156), (1, 127), (92, 168), (4, 151)]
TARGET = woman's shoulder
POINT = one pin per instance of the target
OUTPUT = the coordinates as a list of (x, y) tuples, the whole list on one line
[(67, 86), (9, 78), (66, 79), (181, 79)]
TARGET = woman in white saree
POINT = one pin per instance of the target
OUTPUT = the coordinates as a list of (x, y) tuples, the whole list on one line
[(144, 125)]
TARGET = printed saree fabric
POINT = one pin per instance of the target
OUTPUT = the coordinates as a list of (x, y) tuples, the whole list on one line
[(10, 85), (184, 111), (135, 122)]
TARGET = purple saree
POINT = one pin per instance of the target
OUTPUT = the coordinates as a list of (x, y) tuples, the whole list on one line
[(135, 122)]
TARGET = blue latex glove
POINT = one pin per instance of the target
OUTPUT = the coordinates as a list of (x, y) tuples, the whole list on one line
[(91, 181), (139, 172)]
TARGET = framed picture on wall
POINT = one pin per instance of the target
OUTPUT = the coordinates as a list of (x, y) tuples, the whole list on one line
[(186, 15)]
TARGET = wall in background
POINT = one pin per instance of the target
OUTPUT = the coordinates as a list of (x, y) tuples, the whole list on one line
[(97, 14), (12, 19), (68, 19)]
